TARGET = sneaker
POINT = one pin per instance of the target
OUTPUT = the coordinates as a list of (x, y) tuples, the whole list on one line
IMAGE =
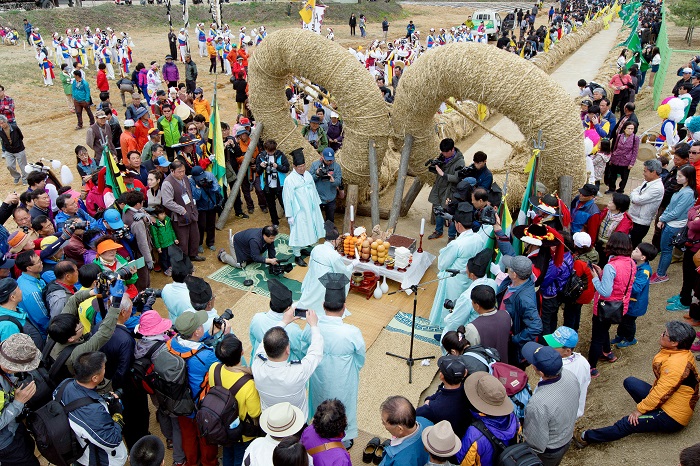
[(200, 249), (212, 248), (17, 181), (264, 210), (579, 440), (609, 191), (625, 343), (655, 278), (620, 190), (616, 340), (674, 299), (242, 215), (435, 235), (594, 373), (677, 306), (157, 268), (608, 357), (168, 272)]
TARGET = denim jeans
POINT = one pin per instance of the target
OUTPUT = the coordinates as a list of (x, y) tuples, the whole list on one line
[(440, 224), (667, 235), (233, 455), (627, 328), (653, 421)]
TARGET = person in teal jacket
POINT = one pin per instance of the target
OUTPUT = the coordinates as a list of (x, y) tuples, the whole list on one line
[(399, 419), (639, 301)]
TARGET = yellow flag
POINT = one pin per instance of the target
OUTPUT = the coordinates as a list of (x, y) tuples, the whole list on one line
[(307, 12), (481, 111), (547, 42), (531, 163), (573, 29), (522, 52)]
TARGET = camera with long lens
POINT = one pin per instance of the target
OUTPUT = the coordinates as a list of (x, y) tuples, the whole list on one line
[(148, 292), (121, 233), (108, 277), (219, 321), (78, 225), (323, 172), (280, 268), (449, 304), (436, 162), (114, 405), (467, 172), (440, 211), (487, 216)]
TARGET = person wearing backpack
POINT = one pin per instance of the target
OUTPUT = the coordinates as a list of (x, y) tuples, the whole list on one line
[(17, 354), (199, 357), (229, 352), (93, 425), (492, 410), (12, 318), (155, 331), (550, 414)]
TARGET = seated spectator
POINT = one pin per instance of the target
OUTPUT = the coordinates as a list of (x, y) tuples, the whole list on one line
[(564, 340), (399, 419), (441, 443), (492, 410), (323, 438), (148, 451), (449, 403), (666, 406), (278, 421)]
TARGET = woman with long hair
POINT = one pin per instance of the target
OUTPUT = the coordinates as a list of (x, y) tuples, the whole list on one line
[(613, 284), (674, 218), (624, 155), (155, 180), (655, 63)]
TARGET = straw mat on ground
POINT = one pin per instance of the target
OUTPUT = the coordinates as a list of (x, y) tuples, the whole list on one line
[(384, 375)]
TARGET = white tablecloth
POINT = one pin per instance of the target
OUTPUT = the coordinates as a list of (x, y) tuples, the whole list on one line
[(412, 275)]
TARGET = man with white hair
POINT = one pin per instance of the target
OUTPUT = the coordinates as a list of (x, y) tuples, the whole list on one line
[(645, 201)]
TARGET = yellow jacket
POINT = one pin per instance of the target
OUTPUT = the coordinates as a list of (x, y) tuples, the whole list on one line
[(675, 390), (202, 107), (247, 397)]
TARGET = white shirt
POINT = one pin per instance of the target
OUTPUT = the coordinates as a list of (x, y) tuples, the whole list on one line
[(645, 202), (176, 298), (260, 451), (578, 365), (286, 381)]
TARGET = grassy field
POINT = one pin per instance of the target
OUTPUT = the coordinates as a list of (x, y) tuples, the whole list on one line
[(128, 18)]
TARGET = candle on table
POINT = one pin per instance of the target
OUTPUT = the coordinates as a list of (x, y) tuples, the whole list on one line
[(422, 226), (352, 213)]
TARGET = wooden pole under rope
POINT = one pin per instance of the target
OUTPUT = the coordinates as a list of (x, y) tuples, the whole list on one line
[(373, 183), (242, 171), (400, 182), (479, 124)]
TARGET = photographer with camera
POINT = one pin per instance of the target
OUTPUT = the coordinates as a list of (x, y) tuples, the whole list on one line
[(452, 262), (479, 171), (17, 354), (272, 166), (69, 207), (95, 424), (315, 134), (207, 196), (446, 167), (250, 246), (328, 177)]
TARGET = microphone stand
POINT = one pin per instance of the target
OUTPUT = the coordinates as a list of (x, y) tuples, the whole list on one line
[(410, 360)]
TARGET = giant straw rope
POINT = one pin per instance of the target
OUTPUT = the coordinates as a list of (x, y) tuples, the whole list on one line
[(502, 81)]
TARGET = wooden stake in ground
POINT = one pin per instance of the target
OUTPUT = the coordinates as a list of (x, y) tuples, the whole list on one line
[(254, 137), (400, 182), (374, 182)]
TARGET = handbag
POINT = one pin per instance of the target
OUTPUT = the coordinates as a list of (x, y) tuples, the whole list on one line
[(612, 311)]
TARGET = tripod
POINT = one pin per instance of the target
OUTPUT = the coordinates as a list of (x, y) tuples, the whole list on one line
[(410, 360)]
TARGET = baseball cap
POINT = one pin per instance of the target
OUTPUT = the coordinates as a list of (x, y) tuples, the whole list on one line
[(129, 123), (582, 239), (315, 119), (153, 130), (113, 219), (328, 154), (452, 367), (198, 91), (588, 189), (7, 287), (242, 131), (244, 122), (100, 114), (162, 162), (521, 265), (108, 245), (687, 70), (544, 358), (188, 322), (563, 337)]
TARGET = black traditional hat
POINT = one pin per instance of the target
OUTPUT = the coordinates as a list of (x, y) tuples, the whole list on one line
[(479, 264), (464, 214), (280, 295), (298, 157), (335, 289), (331, 230)]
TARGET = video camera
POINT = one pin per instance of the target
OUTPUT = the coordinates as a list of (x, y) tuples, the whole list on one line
[(219, 321), (467, 172), (436, 162), (280, 268), (486, 216), (107, 278), (324, 172), (121, 233)]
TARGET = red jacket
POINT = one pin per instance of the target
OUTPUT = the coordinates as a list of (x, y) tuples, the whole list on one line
[(102, 83), (625, 225), (581, 269)]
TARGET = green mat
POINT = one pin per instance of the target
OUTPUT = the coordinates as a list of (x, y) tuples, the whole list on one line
[(234, 277)]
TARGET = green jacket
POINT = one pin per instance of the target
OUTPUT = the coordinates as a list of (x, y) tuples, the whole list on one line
[(163, 233), (322, 138), (66, 83), (172, 130)]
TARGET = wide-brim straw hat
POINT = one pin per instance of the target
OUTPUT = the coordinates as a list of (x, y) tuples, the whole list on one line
[(440, 440), (282, 420), (487, 394)]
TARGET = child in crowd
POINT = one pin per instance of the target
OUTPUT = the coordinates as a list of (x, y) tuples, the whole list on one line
[(664, 167), (600, 159), (583, 254), (642, 255), (163, 236)]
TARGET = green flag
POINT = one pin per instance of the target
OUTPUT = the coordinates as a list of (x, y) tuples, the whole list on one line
[(632, 43), (216, 148), (643, 64)]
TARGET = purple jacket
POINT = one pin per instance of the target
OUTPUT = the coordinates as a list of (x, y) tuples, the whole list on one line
[(333, 457), (625, 152), (170, 72)]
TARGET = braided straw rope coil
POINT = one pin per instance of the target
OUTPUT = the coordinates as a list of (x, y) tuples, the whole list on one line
[(527, 95), (303, 53)]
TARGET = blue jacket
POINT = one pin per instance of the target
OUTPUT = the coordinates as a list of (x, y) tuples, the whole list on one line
[(484, 178), (327, 191), (555, 277), (93, 224), (580, 214), (33, 303), (680, 204), (282, 167), (639, 301), (92, 422), (476, 448), (197, 365), (522, 307), (206, 199), (81, 91), (409, 452), (7, 328)]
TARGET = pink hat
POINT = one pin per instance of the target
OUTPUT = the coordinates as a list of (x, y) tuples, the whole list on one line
[(151, 324)]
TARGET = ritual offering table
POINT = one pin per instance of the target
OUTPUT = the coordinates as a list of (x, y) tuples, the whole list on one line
[(366, 287)]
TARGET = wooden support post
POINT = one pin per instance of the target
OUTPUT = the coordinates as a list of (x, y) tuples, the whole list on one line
[(566, 186), (400, 183), (410, 196), (351, 196), (363, 210), (242, 172), (373, 183)]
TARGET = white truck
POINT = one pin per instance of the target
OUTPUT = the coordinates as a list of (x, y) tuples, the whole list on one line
[(492, 22)]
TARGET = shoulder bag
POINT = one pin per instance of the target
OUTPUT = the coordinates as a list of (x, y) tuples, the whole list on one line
[(612, 311)]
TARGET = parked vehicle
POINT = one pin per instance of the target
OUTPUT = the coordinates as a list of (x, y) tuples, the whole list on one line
[(492, 22)]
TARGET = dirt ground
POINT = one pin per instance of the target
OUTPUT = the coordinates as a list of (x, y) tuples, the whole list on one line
[(48, 128)]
